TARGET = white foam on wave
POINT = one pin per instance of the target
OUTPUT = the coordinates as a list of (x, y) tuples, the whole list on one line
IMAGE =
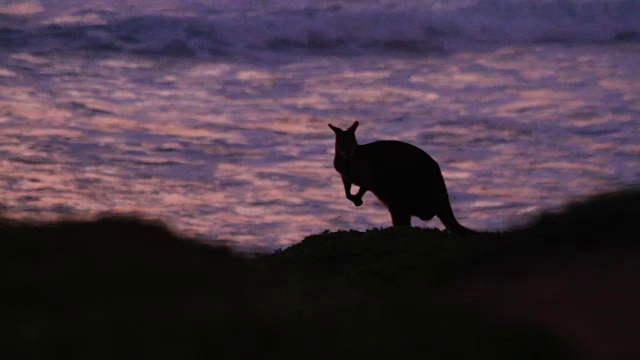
[(202, 28)]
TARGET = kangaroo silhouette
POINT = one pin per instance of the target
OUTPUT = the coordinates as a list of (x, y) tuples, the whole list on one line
[(402, 176)]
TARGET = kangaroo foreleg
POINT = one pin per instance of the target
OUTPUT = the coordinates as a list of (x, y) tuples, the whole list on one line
[(357, 198)]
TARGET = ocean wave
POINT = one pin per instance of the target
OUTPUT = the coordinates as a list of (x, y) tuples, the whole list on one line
[(417, 28)]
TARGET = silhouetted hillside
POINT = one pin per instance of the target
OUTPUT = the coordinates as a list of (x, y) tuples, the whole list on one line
[(115, 287), (127, 288)]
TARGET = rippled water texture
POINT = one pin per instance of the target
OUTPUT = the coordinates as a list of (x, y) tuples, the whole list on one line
[(240, 150)]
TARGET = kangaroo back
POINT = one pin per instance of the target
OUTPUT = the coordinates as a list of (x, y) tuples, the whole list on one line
[(403, 177)]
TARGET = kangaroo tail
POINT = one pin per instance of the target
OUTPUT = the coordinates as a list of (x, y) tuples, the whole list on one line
[(449, 220), (452, 224)]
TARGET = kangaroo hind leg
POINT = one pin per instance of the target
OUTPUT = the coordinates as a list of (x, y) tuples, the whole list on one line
[(399, 216)]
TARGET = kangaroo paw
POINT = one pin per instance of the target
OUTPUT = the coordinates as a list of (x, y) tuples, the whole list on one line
[(355, 199)]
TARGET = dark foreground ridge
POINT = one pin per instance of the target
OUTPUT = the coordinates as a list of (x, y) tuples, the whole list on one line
[(564, 287)]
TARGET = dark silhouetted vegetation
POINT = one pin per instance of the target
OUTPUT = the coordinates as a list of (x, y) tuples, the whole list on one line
[(120, 288)]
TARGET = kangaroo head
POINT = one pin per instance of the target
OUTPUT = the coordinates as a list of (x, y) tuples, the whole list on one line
[(346, 142)]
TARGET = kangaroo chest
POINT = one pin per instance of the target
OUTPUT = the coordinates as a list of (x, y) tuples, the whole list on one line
[(357, 171)]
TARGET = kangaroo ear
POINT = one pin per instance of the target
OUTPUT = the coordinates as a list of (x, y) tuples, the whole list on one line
[(353, 126), (335, 129)]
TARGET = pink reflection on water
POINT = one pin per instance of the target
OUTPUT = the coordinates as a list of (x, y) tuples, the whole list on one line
[(242, 151)]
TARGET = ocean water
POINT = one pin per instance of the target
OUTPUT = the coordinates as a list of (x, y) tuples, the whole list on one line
[(212, 115)]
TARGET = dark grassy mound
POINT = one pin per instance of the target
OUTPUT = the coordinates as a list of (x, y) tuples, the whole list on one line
[(125, 288), (435, 258), (380, 258), (114, 287)]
